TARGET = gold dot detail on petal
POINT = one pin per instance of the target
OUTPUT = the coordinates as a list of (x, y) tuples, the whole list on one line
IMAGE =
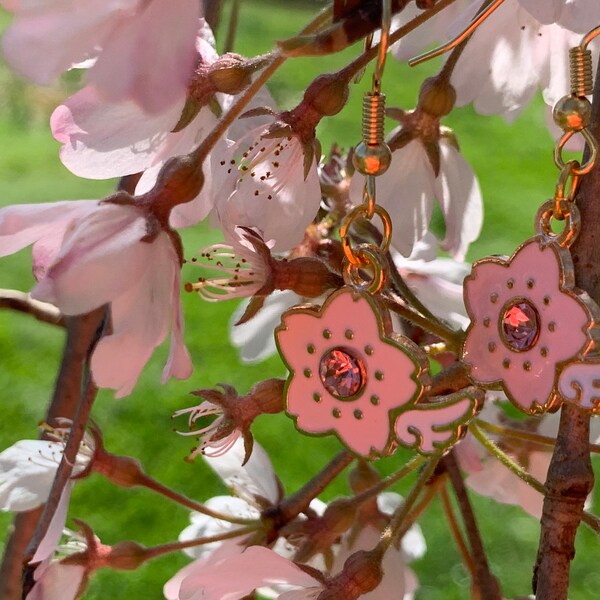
[(506, 363), (510, 283), (486, 322), (493, 298), (544, 352), (527, 365), (358, 414), (326, 334), (374, 400), (369, 350), (336, 412), (307, 373), (310, 348), (546, 300), (317, 397), (530, 283), (349, 334), (379, 375), (552, 326), (492, 346)]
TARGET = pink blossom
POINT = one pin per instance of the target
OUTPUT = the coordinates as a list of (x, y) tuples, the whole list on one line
[(387, 372), (273, 191), (235, 576), (57, 581), (98, 253), (525, 321), (103, 138), (487, 476), (128, 37)]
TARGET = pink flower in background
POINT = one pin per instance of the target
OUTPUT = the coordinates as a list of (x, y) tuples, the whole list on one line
[(524, 323), (343, 378), (273, 190), (128, 38), (408, 193), (103, 138), (98, 253)]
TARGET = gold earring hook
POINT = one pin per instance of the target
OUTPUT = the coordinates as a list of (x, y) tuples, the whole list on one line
[(475, 23), (386, 25)]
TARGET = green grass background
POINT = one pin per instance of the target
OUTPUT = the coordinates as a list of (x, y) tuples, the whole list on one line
[(516, 172)]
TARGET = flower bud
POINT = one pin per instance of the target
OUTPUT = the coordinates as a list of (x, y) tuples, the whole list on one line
[(126, 556), (307, 276), (123, 471), (327, 94), (231, 73), (363, 477), (267, 396), (437, 96)]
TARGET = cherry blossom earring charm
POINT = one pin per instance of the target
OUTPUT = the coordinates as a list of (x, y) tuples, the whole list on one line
[(530, 327), (350, 374)]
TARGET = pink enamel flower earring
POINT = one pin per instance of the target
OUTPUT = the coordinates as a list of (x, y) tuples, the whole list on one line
[(531, 329), (350, 374)]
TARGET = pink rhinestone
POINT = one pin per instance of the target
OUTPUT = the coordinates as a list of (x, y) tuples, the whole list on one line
[(342, 373), (520, 325)]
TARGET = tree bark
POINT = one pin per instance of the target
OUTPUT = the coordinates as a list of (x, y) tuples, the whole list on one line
[(570, 476)]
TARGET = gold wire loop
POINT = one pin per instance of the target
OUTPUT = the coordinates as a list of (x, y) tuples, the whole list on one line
[(592, 144), (568, 181), (361, 211), (373, 263), (543, 224), (369, 197)]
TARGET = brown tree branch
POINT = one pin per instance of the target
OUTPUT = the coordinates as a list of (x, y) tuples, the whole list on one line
[(81, 331), (570, 476)]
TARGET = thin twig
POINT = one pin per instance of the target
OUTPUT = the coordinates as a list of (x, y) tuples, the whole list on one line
[(23, 302), (456, 532), (485, 581)]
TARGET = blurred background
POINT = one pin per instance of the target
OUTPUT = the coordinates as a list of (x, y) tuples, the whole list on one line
[(516, 172)]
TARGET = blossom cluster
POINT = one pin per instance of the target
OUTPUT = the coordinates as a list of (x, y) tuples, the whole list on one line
[(192, 135)]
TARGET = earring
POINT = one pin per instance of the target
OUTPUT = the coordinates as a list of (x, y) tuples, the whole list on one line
[(531, 328), (350, 373)]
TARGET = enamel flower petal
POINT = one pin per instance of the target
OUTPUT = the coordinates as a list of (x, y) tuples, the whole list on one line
[(526, 322), (348, 374)]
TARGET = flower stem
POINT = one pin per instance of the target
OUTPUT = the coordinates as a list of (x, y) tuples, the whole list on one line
[(147, 481), (528, 436), (395, 527), (456, 532), (298, 502), (592, 521), (437, 328), (484, 580), (162, 549), (234, 15), (384, 484)]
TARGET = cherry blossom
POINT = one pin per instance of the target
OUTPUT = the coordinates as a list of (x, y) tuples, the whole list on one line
[(275, 191), (525, 321), (519, 49), (57, 581), (233, 414), (27, 470), (128, 37), (408, 192), (380, 376), (97, 253), (102, 139)]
